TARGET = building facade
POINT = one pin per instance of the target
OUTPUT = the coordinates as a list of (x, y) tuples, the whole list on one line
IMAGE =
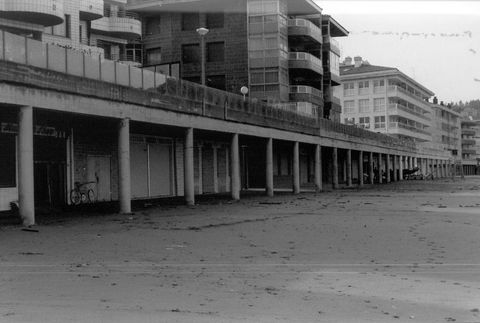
[(383, 99), (94, 27), (470, 151), (283, 51)]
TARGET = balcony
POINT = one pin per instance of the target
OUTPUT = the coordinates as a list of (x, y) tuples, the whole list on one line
[(468, 142), (91, 9), (125, 25), (305, 61), (469, 151), (410, 131), (40, 12), (306, 30), (406, 112), (125, 59), (468, 132), (406, 95), (303, 93), (331, 44)]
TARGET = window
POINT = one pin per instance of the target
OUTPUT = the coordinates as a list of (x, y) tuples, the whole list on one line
[(62, 30), (152, 25), (363, 87), (7, 161), (153, 56), (364, 105), (379, 105), (379, 122), (216, 52), (216, 81), (349, 106), (215, 20), (378, 86), (191, 53), (364, 122), (350, 121), (348, 89), (190, 21)]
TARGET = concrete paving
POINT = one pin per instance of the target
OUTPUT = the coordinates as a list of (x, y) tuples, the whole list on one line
[(400, 252)]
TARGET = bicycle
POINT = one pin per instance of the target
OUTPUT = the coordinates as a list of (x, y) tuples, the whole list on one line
[(82, 194)]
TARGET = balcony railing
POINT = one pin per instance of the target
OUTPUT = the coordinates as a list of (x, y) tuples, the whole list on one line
[(396, 106), (75, 72), (408, 127), (303, 89), (123, 58), (405, 91), (310, 28), (120, 14), (306, 57)]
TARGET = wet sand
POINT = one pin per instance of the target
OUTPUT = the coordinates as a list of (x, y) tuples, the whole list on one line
[(400, 252)]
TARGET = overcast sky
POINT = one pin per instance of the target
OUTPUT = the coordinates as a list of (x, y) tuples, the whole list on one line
[(435, 42)]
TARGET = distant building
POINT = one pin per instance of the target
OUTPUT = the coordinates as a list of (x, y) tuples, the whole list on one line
[(385, 100), (471, 147), (95, 27), (282, 50), (445, 130)]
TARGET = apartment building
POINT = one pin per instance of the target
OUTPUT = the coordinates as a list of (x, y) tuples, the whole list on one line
[(283, 51), (385, 100), (94, 27), (470, 146), (445, 131)]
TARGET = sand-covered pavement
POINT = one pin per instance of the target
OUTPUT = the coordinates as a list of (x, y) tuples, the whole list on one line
[(402, 252)]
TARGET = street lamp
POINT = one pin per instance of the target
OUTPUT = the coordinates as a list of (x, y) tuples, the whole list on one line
[(202, 32), (244, 91)]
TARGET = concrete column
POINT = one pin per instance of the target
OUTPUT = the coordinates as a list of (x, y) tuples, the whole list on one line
[(335, 168), (269, 168), (296, 167), (189, 174), (200, 170), (370, 168), (124, 181), (235, 167), (215, 169), (394, 167), (409, 162), (318, 168), (26, 200), (360, 168), (432, 168), (380, 167), (387, 167), (349, 167), (437, 169)]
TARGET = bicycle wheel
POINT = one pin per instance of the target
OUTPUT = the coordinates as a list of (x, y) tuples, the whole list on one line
[(91, 196), (75, 197), (84, 198)]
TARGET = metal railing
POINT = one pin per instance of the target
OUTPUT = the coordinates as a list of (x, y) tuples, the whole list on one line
[(123, 58), (302, 56), (395, 106), (120, 14), (304, 89), (164, 92), (298, 22)]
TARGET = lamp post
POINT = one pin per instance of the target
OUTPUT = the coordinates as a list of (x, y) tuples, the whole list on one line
[(244, 91), (202, 32)]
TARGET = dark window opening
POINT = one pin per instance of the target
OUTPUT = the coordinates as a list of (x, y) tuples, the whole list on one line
[(216, 52), (152, 26), (217, 82), (215, 20), (153, 56), (191, 53), (7, 161), (190, 21)]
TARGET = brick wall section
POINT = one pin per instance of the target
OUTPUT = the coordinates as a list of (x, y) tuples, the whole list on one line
[(234, 34)]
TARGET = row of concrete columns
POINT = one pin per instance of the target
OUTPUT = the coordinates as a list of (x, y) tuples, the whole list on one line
[(26, 175)]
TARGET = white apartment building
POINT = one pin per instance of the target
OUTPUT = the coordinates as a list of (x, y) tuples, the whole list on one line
[(95, 27), (470, 131), (385, 100)]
